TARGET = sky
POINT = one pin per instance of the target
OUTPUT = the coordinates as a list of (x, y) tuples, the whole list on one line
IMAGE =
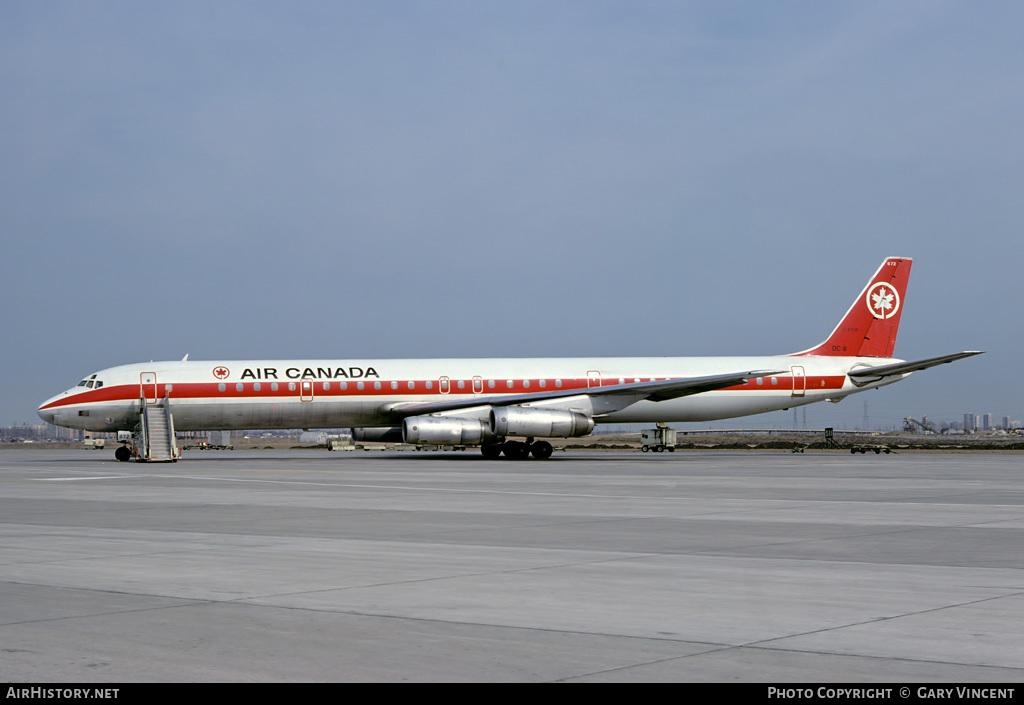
[(239, 180)]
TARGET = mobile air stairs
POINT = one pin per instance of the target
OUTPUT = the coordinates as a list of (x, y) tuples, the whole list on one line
[(154, 439)]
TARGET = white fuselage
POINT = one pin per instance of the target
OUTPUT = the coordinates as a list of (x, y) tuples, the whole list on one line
[(267, 394)]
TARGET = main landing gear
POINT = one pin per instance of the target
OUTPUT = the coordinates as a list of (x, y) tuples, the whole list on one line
[(518, 450)]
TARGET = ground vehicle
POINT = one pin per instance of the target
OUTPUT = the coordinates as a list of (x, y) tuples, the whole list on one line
[(658, 439), (864, 449)]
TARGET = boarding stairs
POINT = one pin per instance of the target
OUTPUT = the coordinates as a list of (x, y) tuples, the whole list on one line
[(156, 442)]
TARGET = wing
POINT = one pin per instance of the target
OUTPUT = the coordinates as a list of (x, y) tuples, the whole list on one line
[(872, 374), (601, 400)]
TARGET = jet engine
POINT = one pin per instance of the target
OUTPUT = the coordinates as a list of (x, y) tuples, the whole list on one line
[(545, 423), (444, 430), (379, 435)]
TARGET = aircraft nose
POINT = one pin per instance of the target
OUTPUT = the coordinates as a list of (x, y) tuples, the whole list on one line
[(46, 414)]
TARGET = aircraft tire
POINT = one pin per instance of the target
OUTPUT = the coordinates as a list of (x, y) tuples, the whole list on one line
[(542, 450), (491, 450), (515, 450), (122, 454)]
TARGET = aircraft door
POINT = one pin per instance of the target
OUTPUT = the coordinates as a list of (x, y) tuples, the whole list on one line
[(147, 381), (305, 390), (799, 381), (593, 378), (478, 385), (445, 384)]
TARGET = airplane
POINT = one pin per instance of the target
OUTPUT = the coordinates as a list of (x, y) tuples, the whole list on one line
[(506, 406)]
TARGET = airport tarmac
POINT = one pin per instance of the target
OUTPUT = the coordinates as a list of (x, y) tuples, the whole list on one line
[(766, 566)]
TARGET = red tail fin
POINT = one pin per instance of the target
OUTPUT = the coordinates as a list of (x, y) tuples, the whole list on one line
[(869, 328)]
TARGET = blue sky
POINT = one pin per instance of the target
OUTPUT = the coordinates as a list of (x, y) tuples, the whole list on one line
[(476, 179)]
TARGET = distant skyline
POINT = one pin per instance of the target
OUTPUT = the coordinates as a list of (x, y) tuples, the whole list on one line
[(241, 180)]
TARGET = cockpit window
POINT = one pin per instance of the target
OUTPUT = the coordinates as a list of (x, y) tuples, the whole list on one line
[(98, 384), (83, 383), (90, 384)]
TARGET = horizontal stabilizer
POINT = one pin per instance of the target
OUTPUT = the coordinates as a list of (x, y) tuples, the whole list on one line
[(901, 368)]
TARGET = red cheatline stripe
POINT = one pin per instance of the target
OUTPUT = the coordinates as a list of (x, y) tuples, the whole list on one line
[(211, 390)]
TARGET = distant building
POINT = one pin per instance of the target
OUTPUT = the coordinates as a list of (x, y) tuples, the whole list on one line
[(970, 423)]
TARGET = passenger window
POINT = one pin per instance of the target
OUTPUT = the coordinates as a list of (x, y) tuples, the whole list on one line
[(394, 385), (221, 387), (239, 387), (412, 385), (430, 385), (256, 386), (273, 386), (558, 383)]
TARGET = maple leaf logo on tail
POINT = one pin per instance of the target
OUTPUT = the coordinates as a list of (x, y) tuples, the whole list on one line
[(883, 301)]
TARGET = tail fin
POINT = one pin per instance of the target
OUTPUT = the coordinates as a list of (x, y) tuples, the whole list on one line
[(869, 328)]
